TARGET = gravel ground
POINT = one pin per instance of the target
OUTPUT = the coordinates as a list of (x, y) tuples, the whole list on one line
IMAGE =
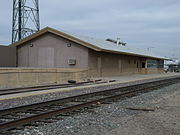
[(115, 119), (9, 103)]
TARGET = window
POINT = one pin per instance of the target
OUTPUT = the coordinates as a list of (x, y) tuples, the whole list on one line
[(152, 64), (161, 64)]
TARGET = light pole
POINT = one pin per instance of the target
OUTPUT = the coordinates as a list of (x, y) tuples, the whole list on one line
[(150, 48)]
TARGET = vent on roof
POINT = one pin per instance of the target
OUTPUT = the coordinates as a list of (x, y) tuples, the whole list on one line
[(118, 42)]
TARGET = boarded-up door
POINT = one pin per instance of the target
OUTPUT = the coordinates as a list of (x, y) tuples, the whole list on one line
[(99, 66), (120, 66), (46, 57)]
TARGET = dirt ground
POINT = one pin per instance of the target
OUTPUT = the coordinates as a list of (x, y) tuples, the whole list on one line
[(164, 120)]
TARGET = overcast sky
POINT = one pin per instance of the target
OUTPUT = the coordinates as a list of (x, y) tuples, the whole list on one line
[(139, 23)]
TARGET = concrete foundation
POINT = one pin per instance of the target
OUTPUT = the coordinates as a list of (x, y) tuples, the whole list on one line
[(23, 77)]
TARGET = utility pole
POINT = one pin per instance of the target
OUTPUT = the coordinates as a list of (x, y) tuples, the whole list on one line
[(25, 19)]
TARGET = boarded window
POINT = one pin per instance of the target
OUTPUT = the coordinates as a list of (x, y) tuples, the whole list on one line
[(46, 57)]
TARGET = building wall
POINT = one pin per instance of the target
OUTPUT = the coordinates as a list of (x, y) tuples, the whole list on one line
[(152, 70), (7, 56), (107, 64), (51, 51)]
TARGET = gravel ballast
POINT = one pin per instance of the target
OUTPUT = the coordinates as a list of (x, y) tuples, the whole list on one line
[(112, 118)]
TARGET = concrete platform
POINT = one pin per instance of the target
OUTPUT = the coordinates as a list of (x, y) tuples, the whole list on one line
[(119, 80), (137, 77)]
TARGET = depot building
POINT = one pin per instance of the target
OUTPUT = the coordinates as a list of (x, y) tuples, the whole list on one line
[(50, 48)]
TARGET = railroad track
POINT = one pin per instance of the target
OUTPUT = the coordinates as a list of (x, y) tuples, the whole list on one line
[(48, 87), (16, 119)]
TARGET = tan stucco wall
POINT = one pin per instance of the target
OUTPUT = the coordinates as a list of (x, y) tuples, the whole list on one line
[(51, 51), (7, 56), (152, 70), (107, 64), (22, 77)]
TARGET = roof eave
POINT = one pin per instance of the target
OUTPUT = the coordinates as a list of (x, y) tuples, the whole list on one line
[(132, 54), (22, 41), (76, 40), (58, 33)]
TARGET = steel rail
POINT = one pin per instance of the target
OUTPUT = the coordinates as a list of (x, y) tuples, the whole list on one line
[(78, 96), (122, 94)]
